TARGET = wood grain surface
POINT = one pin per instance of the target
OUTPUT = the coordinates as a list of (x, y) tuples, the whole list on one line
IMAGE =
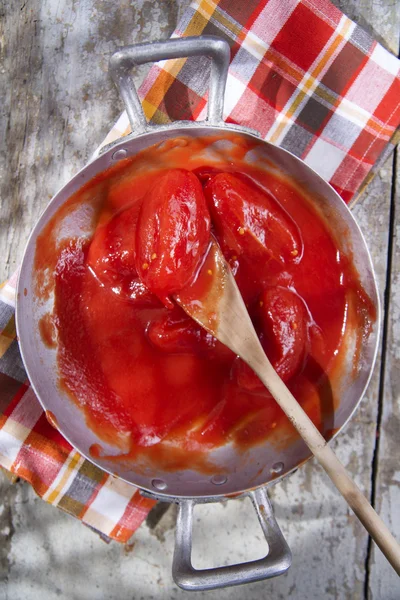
[(57, 102)]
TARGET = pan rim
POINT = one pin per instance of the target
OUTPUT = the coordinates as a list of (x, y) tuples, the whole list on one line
[(176, 129)]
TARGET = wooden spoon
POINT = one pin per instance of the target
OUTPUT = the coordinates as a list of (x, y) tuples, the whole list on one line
[(214, 301)]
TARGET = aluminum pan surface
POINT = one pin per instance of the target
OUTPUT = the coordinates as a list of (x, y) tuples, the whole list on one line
[(244, 471)]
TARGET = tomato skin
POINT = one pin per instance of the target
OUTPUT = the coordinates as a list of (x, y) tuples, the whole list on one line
[(205, 174), (284, 322), (111, 258), (176, 333), (173, 233), (245, 377), (283, 325), (112, 250), (249, 221)]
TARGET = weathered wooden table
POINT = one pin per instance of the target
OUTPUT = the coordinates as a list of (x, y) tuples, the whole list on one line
[(57, 103)]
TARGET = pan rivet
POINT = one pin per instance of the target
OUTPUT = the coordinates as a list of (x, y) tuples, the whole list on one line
[(159, 484), (219, 479), (119, 154), (277, 467)]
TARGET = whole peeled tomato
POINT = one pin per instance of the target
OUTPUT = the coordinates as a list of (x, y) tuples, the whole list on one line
[(112, 250), (173, 233), (175, 332), (111, 258), (249, 221), (283, 324)]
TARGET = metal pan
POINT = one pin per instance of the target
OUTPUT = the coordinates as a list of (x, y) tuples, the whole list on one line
[(247, 473)]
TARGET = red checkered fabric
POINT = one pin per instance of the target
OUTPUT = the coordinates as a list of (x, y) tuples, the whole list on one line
[(305, 77), (302, 74)]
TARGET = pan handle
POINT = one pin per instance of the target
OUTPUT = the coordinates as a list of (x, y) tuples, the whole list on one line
[(124, 59), (277, 561)]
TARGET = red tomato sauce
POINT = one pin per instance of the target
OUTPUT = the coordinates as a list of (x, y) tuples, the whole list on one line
[(148, 379)]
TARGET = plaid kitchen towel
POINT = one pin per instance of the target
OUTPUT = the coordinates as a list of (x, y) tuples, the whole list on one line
[(307, 78), (302, 74)]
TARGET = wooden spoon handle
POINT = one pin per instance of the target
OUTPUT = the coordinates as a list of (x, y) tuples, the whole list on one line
[(327, 459)]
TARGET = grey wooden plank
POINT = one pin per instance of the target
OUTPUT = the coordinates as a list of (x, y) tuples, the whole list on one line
[(383, 582)]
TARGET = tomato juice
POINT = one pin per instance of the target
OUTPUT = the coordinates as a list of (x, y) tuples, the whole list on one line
[(148, 379)]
